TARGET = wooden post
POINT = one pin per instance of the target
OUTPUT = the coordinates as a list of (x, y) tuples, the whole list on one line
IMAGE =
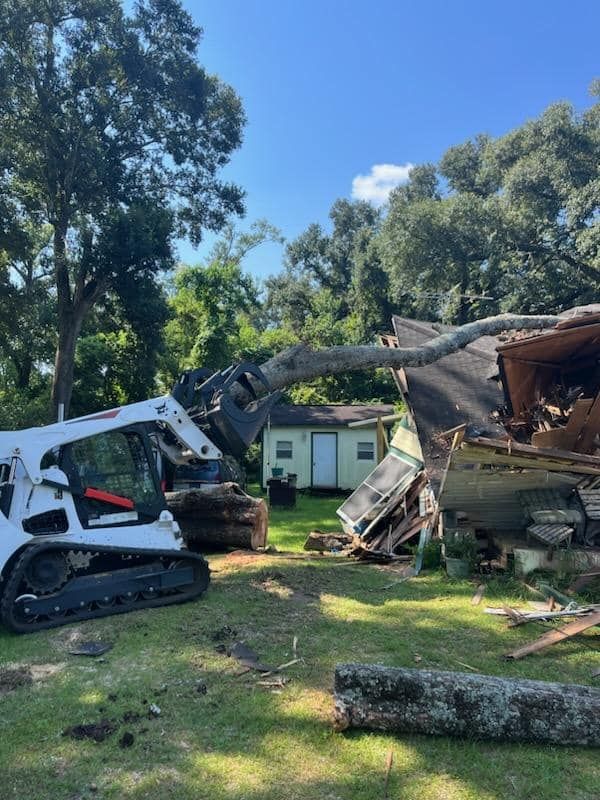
[(382, 444)]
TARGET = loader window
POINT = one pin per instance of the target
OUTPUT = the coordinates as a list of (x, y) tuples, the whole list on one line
[(115, 472), (117, 463)]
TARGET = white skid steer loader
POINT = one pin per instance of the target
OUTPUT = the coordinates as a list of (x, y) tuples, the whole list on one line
[(84, 527)]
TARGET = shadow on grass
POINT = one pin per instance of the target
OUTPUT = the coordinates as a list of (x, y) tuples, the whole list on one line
[(241, 740)]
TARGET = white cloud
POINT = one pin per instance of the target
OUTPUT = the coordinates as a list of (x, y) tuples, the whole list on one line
[(377, 185)]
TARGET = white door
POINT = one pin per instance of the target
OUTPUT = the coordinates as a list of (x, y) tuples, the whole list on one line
[(324, 460)]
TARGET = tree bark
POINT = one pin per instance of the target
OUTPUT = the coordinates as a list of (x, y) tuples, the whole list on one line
[(64, 362), (300, 363), (465, 705), (221, 515), (68, 324), (325, 542)]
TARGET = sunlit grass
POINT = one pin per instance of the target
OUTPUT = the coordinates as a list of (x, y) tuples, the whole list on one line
[(240, 740)]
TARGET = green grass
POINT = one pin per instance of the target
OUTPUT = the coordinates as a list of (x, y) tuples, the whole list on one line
[(243, 741), (288, 527)]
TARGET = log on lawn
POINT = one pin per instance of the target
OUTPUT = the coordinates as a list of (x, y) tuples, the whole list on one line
[(220, 514), (465, 705), (326, 542)]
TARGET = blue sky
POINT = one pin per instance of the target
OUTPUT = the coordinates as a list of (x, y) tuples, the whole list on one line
[(333, 88)]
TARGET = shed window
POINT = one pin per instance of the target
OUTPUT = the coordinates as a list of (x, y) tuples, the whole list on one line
[(365, 451), (283, 450)]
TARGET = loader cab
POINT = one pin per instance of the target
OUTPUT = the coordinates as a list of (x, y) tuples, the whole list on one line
[(113, 478)]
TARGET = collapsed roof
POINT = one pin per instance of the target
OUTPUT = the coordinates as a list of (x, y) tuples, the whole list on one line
[(566, 355), (456, 389)]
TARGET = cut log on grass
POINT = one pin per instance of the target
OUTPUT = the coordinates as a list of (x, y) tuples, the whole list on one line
[(326, 542), (222, 515), (468, 706)]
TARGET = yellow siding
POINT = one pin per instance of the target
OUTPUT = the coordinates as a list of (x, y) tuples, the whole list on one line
[(351, 472)]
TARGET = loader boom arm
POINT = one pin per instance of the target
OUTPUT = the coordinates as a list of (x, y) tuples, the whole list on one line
[(187, 440)]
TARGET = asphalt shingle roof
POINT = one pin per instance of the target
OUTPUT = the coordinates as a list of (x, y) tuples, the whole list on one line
[(454, 390), (326, 415)]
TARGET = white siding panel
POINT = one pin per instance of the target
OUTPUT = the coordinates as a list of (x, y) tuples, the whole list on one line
[(352, 472)]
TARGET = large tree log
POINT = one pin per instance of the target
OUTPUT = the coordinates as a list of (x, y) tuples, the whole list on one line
[(300, 363), (467, 706), (222, 515)]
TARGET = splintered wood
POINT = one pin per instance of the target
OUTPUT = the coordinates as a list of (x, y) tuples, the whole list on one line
[(558, 635)]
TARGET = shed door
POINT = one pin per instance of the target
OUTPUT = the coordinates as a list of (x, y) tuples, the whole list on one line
[(324, 460)]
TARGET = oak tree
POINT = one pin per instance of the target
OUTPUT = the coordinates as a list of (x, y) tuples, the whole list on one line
[(113, 135)]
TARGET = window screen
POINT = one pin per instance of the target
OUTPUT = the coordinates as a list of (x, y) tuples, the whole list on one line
[(365, 451), (283, 450)]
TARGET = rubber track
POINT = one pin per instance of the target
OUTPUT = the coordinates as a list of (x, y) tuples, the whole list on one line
[(11, 590)]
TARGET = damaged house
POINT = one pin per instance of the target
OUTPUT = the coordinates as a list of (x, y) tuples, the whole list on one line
[(508, 430), (534, 491)]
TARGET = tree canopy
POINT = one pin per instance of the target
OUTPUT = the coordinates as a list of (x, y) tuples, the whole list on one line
[(507, 224), (112, 141), (113, 136)]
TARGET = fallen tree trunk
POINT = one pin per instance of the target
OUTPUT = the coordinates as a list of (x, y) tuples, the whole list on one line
[(300, 363), (222, 515), (465, 705)]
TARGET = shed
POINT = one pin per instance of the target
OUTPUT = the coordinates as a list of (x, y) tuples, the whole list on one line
[(316, 444)]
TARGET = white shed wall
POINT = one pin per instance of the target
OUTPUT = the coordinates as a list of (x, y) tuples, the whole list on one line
[(350, 471)]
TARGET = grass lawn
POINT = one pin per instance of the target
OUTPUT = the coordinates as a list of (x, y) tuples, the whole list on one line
[(224, 736)]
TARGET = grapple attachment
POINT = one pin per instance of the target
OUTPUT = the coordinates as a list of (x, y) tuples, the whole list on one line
[(226, 405)]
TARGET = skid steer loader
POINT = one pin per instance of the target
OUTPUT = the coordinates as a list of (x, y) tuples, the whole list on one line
[(84, 527)]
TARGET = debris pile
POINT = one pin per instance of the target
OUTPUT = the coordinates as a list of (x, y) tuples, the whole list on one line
[(394, 503), (402, 519), (551, 385)]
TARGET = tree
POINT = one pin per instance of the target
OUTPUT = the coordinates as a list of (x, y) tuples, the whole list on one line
[(27, 331), (318, 260), (113, 135), (300, 363), (507, 224), (121, 345), (211, 303)]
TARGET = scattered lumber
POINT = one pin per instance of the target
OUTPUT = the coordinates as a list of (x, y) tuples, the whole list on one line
[(220, 514), (520, 617), (326, 542), (558, 635), (477, 597), (465, 705)]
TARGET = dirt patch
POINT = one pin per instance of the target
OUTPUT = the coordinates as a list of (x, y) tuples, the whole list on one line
[(97, 731), (274, 587), (11, 679), (66, 638), (243, 557), (40, 672)]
